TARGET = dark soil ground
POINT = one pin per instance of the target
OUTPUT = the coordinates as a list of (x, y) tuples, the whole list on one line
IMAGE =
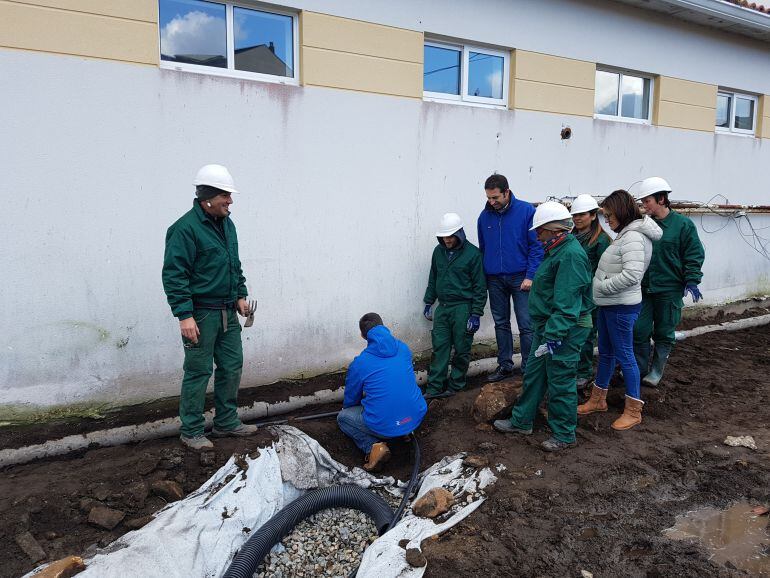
[(600, 507)]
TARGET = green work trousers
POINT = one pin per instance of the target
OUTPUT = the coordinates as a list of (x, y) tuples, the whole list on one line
[(660, 314), (219, 342), (450, 330), (556, 376), (586, 364)]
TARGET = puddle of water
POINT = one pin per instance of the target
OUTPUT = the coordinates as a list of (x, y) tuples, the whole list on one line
[(736, 535)]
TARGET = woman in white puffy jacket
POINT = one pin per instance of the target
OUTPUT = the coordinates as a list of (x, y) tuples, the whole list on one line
[(617, 291)]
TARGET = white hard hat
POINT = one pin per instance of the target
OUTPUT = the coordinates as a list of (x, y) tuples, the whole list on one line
[(548, 212), (583, 204), (650, 186), (450, 224), (215, 176)]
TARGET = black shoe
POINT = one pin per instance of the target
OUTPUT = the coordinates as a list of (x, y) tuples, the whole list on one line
[(554, 445), (499, 374), (505, 426)]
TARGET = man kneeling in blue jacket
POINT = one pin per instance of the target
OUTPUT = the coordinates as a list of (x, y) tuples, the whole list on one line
[(382, 399)]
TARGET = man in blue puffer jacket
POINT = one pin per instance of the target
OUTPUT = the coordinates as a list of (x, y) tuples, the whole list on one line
[(382, 399)]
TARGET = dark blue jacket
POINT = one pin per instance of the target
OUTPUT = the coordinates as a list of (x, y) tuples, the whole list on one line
[(509, 247), (382, 379)]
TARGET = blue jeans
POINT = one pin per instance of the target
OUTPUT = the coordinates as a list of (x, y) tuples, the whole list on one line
[(351, 422), (501, 289), (616, 344)]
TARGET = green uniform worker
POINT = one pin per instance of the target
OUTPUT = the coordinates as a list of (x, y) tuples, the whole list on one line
[(457, 280), (588, 231), (204, 285), (675, 270), (560, 307)]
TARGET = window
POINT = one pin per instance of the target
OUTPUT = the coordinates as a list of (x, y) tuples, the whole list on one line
[(229, 39), (465, 74), (736, 112), (622, 96)]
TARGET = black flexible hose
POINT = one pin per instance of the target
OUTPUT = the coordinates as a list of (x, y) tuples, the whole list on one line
[(349, 496)]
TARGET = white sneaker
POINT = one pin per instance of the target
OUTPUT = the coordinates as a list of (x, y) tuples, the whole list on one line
[(197, 443)]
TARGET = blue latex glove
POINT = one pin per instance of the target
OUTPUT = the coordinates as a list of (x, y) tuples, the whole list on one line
[(553, 346), (694, 292), (427, 313), (474, 322)]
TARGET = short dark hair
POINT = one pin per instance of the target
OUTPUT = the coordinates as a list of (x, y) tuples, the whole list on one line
[(367, 322), (662, 196), (623, 206), (496, 182)]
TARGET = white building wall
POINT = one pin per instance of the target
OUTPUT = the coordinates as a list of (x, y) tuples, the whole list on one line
[(341, 195)]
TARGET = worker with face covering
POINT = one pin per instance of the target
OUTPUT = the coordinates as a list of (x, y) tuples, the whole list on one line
[(589, 233), (560, 307), (457, 280), (675, 270)]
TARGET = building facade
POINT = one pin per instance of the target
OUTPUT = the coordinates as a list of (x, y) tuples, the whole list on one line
[(350, 128)]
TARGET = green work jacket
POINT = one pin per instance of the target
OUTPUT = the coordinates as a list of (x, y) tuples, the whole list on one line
[(677, 257), (201, 263), (460, 280), (561, 290), (595, 250)]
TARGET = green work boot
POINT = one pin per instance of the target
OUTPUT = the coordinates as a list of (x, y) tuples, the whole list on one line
[(659, 359), (642, 355), (505, 426)]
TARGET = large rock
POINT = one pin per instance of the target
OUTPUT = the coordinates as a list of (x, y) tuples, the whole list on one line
[(30, 547), (169, 490), (104, 517), (64, 568), (434, 503), (495, 401)]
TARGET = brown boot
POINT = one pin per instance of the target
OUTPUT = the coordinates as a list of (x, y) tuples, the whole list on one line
[(632, 415), (597, 401), (379, 455)]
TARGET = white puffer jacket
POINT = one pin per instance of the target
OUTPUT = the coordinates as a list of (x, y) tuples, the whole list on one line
[(618, 279)]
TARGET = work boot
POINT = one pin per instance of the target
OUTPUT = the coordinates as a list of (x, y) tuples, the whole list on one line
[(597, 402), (379, 454), (505, 426), (632, 415), (554, 445), (659, 359), (499, 374), (241, 431), (642, 355), (197, 443)]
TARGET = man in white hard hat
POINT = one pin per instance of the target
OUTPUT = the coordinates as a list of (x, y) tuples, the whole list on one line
[(205, 287), (456, 279), (675, 271)]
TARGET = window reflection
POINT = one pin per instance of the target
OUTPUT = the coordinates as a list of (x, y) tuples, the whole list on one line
[(606, 97), (723, 111), (442, 70), (744, 113), (485, 75), (193, 31), (636, 97), (263, 42)]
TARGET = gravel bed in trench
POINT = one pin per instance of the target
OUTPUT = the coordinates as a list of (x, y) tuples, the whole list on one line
[(329, 543)]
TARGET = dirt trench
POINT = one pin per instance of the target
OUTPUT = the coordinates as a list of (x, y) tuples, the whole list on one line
[(600, 507)]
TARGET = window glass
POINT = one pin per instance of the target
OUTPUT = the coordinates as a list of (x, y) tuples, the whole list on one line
[(485, 75), (442, 70), (744, 113), (606, 96), (194, 32), (635, 97), (263, 42), (723, 110)]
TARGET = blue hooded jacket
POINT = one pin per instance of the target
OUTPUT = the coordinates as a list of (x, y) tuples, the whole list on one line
[(509, 247), (382, 379)]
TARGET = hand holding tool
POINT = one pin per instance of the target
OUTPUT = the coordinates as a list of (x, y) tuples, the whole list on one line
[(250, 316)]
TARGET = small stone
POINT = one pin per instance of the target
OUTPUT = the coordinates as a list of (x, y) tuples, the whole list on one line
[(415, 558), (586, 574), (87, 504), (101, 492), (138, 493), (403, 542), (104, 517), (487, 446), (495, 401), (147, 464), (207, 458), (475, 461), (50, 535), (169, 490), (487, 536), (136, 523), (30, 547), (434, 503)]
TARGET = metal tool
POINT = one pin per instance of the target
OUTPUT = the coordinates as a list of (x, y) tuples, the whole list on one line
[(250, 316)]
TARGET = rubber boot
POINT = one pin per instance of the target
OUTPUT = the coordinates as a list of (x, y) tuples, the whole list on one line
[(379, 455), (597, 402), (642, 355), (632, 415), (659, 359)]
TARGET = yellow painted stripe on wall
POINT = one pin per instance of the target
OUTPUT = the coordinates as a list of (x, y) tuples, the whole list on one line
[(544, 97), (684, 104), (687, 92), (143, 10), (678, 115), (554, 69), (360, 72), (32, 27), (357, 37), (763, 116)]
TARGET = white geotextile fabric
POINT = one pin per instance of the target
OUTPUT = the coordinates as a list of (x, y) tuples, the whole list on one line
[(198, 536)]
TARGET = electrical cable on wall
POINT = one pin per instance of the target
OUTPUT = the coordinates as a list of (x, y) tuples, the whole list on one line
[(758, 243)]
